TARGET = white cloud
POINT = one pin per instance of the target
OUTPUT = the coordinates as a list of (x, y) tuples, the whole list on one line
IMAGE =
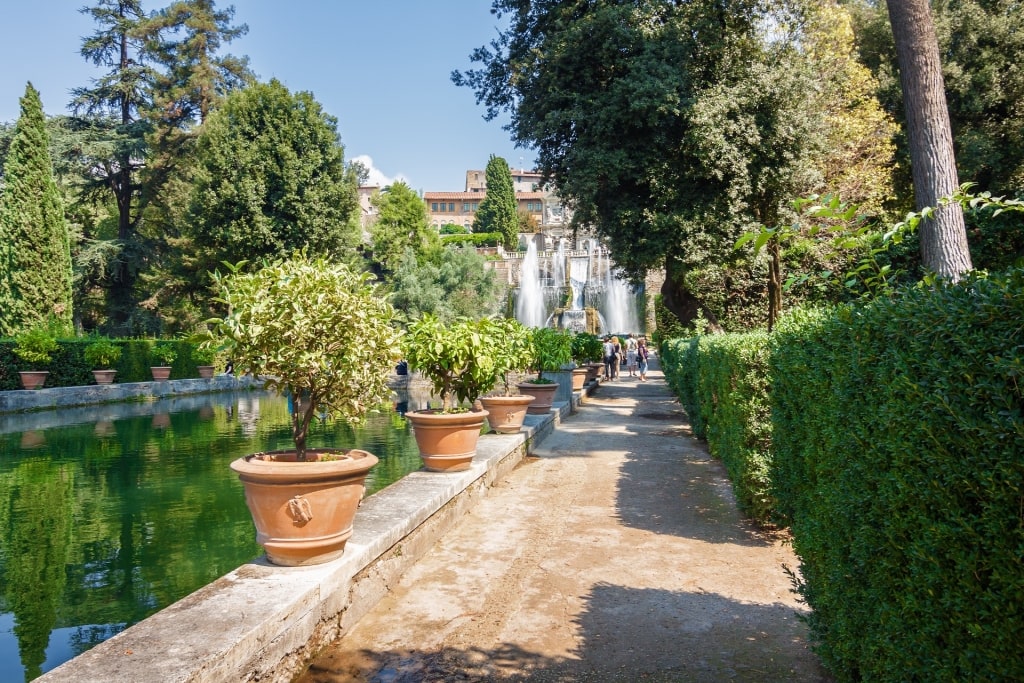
[(377, 176)]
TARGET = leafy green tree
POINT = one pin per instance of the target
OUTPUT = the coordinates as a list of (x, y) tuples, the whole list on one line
[(113, 109), (980, 42), (401, 224), (497, 212), (35, 251), (184, 40), (668, 126), (269, 178), (453, 283), (859, 149)]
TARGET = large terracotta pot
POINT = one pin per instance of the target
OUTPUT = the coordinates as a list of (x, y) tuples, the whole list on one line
[(303, 511), (543, 396), (205, 371), (579, 378), (506, 413), (160, 373), (104, 376), (447, 441), (594, 371), (33, 379)]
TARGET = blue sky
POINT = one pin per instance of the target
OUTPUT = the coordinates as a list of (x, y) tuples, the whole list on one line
[(381, 68)]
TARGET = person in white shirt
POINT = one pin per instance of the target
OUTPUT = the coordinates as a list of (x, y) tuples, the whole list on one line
[(631, 355)]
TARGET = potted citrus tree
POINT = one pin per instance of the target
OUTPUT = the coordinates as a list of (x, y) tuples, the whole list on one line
[(102, 355), (586, 348), (322, 334), (459, 360), (35, 347), (513, 352), (163, 353), (551, 350)]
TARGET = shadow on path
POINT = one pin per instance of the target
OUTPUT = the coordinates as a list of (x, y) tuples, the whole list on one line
[(686, 637)]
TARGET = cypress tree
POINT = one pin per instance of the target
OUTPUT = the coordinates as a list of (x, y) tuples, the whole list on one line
[(497, 211), (35, 267)]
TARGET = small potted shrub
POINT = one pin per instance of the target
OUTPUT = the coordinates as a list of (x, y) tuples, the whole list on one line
[(163, 353), (459, 360), (324, 335), (513, 353), (35, 348), (102, 355), (203, 357), (584, 348), (551, 350)]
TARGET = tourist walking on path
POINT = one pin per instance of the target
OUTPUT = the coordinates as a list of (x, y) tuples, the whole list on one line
[(615, 553), (617, 357), (631, 355), (642, 355), (609, 352)]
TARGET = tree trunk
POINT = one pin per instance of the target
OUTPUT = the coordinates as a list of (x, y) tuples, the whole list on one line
[(933, 164)]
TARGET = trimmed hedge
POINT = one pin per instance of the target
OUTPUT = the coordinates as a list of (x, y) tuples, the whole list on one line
[(899, 456), (897, 459), (476, 239), (722, 382), (68, 368)]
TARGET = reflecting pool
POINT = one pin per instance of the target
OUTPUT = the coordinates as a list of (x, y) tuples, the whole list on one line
[(110, 513)]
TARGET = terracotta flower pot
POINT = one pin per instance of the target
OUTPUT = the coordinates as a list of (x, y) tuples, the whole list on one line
[(594, 371), (447, 441), (303, 511), (579, 378), (543, 396), (160, 373), (205, 371), (506, 413), (33, 379), (104, 376)]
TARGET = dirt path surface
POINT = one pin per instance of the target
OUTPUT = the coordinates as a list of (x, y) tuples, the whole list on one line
[(616, 553)]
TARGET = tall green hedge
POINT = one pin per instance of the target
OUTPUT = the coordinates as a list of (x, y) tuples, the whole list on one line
[(899, 464), (722, 382)]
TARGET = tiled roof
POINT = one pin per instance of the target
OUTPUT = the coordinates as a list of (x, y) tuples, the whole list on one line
[(468, 196)]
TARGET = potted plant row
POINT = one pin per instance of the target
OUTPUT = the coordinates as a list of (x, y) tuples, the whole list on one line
[(204, 358), (102, 355), (551, 350), (513, 353), (322, 334), (35, 347), (163, 353), (585, 348), (458, 358)]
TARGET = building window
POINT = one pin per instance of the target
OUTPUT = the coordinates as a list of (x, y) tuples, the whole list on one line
[(451, 206), (465, 207), (433, 207), (476, 206)]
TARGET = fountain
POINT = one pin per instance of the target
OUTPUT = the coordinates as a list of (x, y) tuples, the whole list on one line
[(575, 290)]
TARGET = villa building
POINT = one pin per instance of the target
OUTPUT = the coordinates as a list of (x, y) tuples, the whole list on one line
[(460, 208)]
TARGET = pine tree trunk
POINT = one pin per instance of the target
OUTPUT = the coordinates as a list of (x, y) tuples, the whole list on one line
[(933, 164)]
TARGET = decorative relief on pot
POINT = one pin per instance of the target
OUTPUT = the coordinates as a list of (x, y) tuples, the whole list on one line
[(300, 510)]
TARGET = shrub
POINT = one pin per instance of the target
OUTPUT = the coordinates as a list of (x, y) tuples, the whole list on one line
[(102, 354), (35, 347), (898, 435)]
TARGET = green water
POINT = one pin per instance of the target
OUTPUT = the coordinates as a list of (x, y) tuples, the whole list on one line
[(110, 513)]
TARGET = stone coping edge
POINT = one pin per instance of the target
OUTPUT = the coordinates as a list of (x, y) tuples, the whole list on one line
[(262, 622), (21, 400)]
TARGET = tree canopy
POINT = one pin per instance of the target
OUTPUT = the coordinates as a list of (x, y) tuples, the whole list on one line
[(35, 252), (497, 212), (670, 127), (401, 224), (270, 178)]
